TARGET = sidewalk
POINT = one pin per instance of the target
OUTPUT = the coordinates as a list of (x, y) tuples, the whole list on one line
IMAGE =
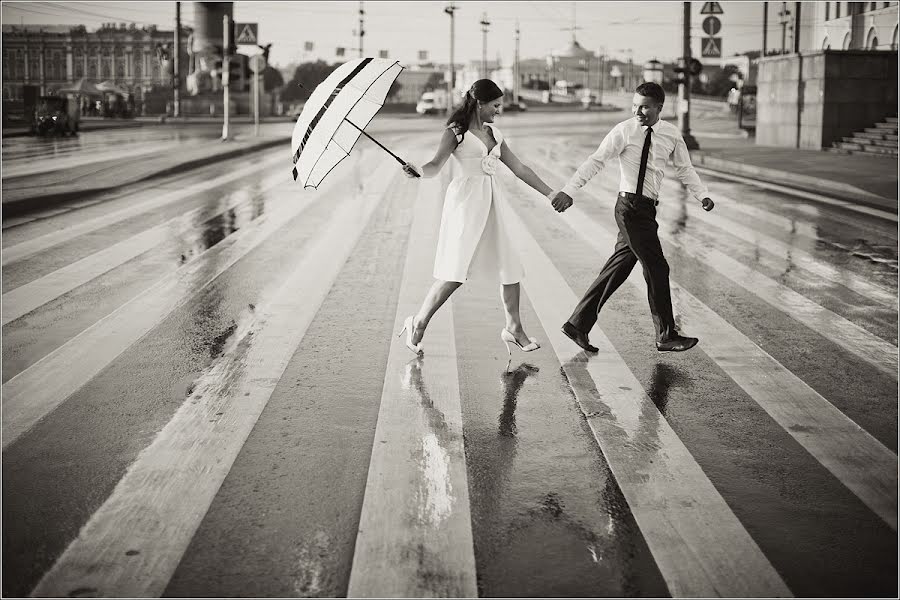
[(32, 192), (869, 180)]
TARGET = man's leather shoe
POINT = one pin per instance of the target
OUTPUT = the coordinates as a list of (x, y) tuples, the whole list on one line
[(677, 343), (578, 337)]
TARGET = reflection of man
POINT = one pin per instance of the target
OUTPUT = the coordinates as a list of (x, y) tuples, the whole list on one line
[(643, 145)]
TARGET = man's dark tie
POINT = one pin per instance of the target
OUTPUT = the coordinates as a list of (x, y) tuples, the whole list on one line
[(643, 170)]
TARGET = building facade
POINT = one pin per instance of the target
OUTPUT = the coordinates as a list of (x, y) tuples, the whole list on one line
[(55, 56), (853, 26)]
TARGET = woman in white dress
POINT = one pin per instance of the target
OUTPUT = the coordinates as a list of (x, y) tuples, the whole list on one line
[(474, 237)]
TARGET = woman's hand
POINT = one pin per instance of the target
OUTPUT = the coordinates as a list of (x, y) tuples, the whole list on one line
[(411, 171)]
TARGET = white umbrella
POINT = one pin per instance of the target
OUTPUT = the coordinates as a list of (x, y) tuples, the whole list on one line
[(335, 115)]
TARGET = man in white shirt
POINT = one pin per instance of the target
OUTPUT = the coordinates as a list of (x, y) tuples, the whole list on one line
[(643, 145)]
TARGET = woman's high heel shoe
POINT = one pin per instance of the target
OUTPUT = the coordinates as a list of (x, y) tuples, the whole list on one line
[(408, 328), (509, 338)]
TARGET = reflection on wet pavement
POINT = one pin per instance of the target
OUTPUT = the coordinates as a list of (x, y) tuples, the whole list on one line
[(512, 383), (435, 498)]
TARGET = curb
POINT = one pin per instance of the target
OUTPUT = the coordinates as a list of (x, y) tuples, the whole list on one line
[(797, 181), (25, 205)]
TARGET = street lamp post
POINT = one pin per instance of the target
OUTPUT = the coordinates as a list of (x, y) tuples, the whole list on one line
[(452, 83), (484, 31)]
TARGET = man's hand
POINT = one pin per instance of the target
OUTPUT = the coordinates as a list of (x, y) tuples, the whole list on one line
[(708, 204), (561, 201)]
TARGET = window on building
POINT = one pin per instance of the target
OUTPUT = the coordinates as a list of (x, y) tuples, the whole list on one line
[(827, 11), (871, 39), (873, 6), (837, 10)]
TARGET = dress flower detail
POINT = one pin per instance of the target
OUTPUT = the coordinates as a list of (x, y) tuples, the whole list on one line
[(489, 164)]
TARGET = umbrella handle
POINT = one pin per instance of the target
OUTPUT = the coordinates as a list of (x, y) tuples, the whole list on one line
[(380, 145)]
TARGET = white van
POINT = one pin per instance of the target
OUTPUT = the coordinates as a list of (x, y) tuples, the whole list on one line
[(432, 103)]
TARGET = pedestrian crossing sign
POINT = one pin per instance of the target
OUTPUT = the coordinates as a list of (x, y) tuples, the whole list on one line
[(246, 33), (711, 47), (711, 8)]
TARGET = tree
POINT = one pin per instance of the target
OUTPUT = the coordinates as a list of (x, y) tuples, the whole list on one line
[(720, 81), (435, 82), (306, 77), (272, 79)]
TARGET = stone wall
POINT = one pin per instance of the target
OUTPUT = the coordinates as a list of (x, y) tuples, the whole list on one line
[(829, 93)]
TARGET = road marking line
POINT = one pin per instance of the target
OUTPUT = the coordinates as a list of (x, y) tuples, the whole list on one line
[(43, 242), (803, 259), (700, 546), (858, 460), (415, 529), (134, 542), (882, 214), (24, 299), (35, 165), (879, 353), (40, 388)]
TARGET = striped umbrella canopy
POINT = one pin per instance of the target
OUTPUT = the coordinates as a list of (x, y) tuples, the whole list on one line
[(337, 112)]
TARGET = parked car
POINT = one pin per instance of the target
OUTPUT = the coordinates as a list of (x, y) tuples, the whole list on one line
[(54, 115), (515, 106), (432, 103)]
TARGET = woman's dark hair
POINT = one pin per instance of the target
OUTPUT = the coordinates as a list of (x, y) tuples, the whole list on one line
[(483, 90)]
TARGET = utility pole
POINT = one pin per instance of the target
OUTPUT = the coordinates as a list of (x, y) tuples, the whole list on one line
[(452, 83), (797, 27), (226, 47), (176, 74), (785, 19), (484, 31), (601, 75), (516, 69), (765, 26), (362, 31), (684, 89)]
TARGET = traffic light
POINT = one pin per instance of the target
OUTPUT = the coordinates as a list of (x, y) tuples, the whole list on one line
[(684, 73)]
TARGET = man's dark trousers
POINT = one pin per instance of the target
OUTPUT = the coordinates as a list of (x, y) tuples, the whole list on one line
[(637, 241)]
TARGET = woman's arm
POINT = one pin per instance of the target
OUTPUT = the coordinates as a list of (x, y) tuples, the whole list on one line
[(445, 149), (521, 171)]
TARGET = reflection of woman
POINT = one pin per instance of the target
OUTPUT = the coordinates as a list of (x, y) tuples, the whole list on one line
[(474, 237)]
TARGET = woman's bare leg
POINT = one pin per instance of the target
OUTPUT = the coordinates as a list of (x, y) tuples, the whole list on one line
[(438, 294), (510, 294)]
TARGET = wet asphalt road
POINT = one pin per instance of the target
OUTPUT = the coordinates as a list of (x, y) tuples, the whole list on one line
[(194, 372)]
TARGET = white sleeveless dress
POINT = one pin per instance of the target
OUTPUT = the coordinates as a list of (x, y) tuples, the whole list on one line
[(474, 240)]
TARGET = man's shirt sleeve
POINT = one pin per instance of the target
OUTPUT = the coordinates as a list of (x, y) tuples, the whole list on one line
[(684, 170), (611, 146)]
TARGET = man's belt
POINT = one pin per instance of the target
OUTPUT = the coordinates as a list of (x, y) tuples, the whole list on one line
[(630, 196)]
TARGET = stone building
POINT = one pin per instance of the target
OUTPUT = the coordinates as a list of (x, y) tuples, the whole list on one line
[(843, 80), (54, 56)]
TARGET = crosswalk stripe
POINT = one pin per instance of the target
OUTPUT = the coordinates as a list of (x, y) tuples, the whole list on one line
[(698, 543), (862, 463), (882, 214), (34, 167), (39, 389), (149, 202), (803, 259), (25, 298), (415, 530), (132, 545), (879, 353)]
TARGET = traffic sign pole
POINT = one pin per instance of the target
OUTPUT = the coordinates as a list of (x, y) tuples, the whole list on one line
[(226, 42), (684, 89)]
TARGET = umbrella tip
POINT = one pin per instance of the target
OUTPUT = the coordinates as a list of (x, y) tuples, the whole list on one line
[(294, 171)]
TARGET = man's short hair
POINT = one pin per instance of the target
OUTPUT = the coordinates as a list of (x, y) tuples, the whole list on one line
[(651, 90)]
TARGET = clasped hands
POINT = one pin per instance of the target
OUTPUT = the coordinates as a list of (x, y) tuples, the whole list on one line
[(561, 201)]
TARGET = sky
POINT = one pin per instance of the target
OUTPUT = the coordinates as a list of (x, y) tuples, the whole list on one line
[(637, 30)]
